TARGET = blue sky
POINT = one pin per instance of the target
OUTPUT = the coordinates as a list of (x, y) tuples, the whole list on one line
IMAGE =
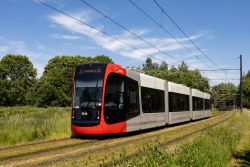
[(219, 27)]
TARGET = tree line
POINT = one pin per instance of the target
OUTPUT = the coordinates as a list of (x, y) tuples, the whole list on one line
[(19, 84), (180, 74)]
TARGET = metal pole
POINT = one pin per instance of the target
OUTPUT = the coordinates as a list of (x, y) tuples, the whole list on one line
[(241, 85)]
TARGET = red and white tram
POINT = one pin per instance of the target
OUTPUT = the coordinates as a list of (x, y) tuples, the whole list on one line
[(110, 99)]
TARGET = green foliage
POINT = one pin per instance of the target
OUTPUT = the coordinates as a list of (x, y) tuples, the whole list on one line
[(25, 124), (54, 87), (246, 90), (17, 78), (215, 148), (181, 74), (224, 94), (242, 152)]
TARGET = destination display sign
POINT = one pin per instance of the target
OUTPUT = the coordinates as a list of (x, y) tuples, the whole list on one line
[(97, 70)]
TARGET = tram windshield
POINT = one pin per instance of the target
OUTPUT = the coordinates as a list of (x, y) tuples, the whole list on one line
[(88, 87)]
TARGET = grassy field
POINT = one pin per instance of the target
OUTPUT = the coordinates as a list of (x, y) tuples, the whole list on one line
[(224, 145), (26, 124), (242, 154), (215, 147)]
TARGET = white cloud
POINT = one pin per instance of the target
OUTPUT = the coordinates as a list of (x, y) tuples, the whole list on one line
[(62, 36), (166, 44), (120, 49)]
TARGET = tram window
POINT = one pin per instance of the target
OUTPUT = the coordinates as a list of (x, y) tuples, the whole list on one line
[(121, 99), (160, 101), (198, 104), (178, 102), (207, 104), (132, 98), (152, 100), (114, 107), (147, 100)]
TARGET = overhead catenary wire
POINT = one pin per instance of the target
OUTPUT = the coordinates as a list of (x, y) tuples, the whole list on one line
[(104, 32), (223, 69), (134, 34), (126, 29), (170, 34), (101, 31), (229, 79), (93, 27), (166, 31), (185, 34)]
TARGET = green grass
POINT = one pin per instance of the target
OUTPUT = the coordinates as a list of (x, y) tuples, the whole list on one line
[(26, 124), (214, 148), (242, 154)]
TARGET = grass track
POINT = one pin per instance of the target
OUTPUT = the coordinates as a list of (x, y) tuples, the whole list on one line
[(55, 154), (241, 156), (211, 148)]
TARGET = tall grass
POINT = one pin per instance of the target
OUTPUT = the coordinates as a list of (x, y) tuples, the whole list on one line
[(242, 153), (25, 124), (214, 148)]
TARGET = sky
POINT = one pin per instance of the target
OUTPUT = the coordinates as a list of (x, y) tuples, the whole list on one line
[(220, 28)]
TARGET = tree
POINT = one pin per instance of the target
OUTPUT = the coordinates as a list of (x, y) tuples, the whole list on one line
[(17, 76), (181, 74), (101, 59), (54, 87), (246, 90), (163, 66), (148, 64), (225, 94)]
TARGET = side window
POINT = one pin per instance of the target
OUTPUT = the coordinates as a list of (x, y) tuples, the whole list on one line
[(198, 104), (152, 100), (121, 101), (132, 98), (172, 102), (195, 103), (114, 104), (207, 104), (178, 102), (146, 96), (160, 101), (201, 104)]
